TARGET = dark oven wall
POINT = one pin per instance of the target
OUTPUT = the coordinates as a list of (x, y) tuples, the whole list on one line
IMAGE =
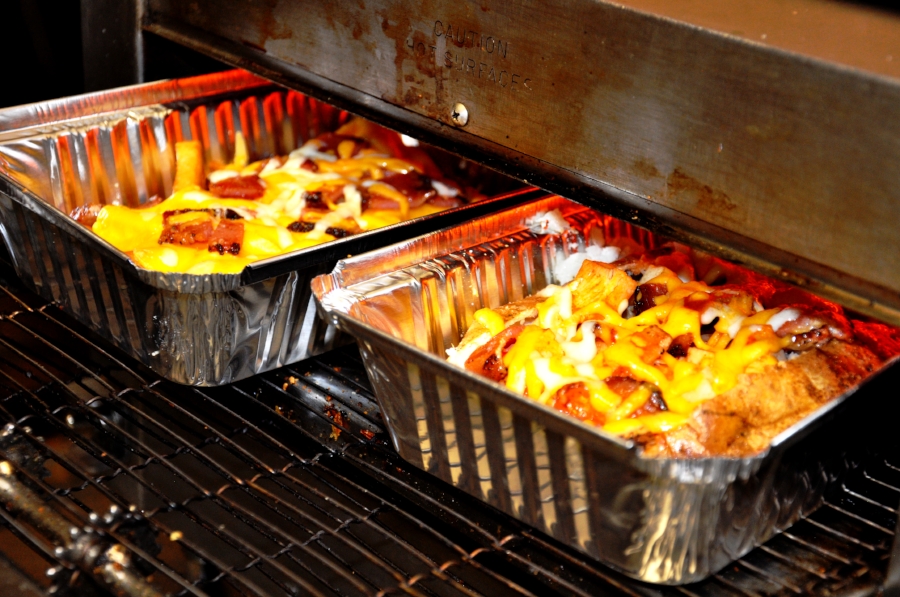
[(46, 40)]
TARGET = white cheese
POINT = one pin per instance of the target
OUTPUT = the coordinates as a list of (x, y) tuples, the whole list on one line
[(585, 350), (547, 222), (650, 273), (220, 175), (566, 270), (293, 207), (709, 315), (270, 166), (310, 150), (444, 190), (782, 317), (735, 326), (459, 357)]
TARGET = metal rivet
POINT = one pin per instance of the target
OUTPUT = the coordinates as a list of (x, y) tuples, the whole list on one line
[(459, 114)]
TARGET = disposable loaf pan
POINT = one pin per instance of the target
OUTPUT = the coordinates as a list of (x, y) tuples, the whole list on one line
[(658, 520), (117, 147)]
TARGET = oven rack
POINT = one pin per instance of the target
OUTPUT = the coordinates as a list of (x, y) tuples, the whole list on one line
[(285, 484)]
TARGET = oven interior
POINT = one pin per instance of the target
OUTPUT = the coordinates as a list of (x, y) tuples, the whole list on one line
[(286, 484)]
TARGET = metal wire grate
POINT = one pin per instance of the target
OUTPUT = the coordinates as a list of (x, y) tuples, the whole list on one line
[(283, 484)]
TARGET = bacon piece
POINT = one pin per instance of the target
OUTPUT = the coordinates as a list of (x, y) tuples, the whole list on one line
[(447, 202), (86, 215), (622, 385), (415, 186), (654, 404), (575, 400), (337, 232), (643, 296), (376, 201), (187, 233), (309, 165), (301, 226), (315, 201), (656, 342), (680, 345), (228, 237), (238, 187), (319, 200), (808, 340), (496, 347), (812, 329), (494, 368)]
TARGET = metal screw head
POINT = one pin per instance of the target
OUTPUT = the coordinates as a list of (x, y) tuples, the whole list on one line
[(459, 114)]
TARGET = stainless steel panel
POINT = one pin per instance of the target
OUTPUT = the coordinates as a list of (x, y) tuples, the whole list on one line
[(785, 160), (659, 520), (112, 44)]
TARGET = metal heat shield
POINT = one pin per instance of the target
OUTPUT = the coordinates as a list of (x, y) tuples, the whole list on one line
[(766, 131)]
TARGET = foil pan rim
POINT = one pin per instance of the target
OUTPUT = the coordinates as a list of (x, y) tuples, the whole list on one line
[(166, 91)]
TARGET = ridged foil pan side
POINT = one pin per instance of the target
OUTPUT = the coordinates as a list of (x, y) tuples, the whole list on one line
[(658, 520), (127, 157), (202, 339), (192, 329)]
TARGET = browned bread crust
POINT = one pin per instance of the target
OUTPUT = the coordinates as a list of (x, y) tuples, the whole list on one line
[(745, 420)]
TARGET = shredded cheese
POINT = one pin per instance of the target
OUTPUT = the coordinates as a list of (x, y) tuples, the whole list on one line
[(282, 220), (562, 347)]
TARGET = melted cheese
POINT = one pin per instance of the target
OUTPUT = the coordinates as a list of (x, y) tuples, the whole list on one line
[(266, 220), (561, 347)]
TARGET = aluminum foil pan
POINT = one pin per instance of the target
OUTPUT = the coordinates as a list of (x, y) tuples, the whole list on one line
[(657, 520), (117, 147)]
